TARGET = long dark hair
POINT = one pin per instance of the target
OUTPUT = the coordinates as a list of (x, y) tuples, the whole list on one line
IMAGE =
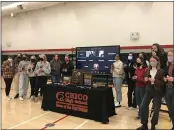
[(142, 60), (160, 49)]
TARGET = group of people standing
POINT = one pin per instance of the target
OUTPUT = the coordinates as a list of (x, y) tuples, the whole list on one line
[(148, 80), (35, 71)]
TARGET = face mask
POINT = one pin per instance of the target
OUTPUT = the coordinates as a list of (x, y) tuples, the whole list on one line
[(130, 57), (24, 58), (9, 59), (41, 59), (138, 64), (153, 64), (32, 60), (170, 59)]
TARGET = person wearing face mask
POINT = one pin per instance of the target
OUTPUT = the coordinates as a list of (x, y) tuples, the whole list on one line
[(8, 70), (154, 90), (140, 84), (67, 67), (158, 51), (144, 56), (130, 67), (16, 77), (56, 69), (118, 76), (23, 77), (32, 75), (169, 79), (42, 71)]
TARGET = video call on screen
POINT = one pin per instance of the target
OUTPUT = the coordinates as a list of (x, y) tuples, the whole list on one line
[(96, 59)]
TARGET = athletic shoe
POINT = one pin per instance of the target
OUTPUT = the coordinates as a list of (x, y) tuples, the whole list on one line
[(130, 108), (9, 98), (137, 118), (36, 99), (17, 95), (143, 127), (117, 104), (21, 99)]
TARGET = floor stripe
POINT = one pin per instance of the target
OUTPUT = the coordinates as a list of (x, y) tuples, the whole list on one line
[(55, 122), (81, 124), (28, 120)]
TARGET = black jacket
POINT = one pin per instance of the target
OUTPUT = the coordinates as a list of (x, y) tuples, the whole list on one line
[(163, 60), (69, 68), (130, 71)]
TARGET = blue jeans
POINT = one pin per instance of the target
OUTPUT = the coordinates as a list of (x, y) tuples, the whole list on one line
[(139, 92), (117, 81), (55, 79), (170, 102)]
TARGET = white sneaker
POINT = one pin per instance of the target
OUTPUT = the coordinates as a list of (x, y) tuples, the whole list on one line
[(117, 104), (130, 108), (21, 99), (9, 98)]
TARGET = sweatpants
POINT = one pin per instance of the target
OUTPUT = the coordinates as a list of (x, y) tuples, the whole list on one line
[(139, 92), (41, 81), (16, 82), (33, 85), (144, 107), (170, 102), (131, 92), (8, 82), (23, 85), (117, 81)]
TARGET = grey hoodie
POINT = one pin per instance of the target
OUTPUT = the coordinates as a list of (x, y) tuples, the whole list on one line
[(43, 65)]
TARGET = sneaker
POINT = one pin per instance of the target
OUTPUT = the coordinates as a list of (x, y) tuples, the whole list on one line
[(32, 97), (153, 127), (137, 118), (130, 108), (143, 127), (36, 99), (17, 95), (117, 104), (21, 99), (9, 98)]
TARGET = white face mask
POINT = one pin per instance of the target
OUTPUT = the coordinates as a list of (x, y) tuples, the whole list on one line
[(130, 57), (9, 59)]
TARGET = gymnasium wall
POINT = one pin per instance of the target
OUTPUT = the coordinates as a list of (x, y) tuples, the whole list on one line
[(89, 24)]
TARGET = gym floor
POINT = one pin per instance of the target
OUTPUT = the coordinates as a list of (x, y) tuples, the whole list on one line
[(29, 115)]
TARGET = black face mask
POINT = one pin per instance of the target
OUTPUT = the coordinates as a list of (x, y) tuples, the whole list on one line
[(24, 58), (138, 64), (41, 59), (33, 60)]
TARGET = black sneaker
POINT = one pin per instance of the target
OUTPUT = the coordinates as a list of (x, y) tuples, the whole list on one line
[(17, 95), (143, 127), (153, 127), (137, 118)]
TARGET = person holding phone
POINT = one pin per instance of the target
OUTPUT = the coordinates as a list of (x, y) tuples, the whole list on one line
[(140, 84), (32, 75), (169, 79), (118, 76), (42, 71), (154, 90), (8, 70), (23, 77)]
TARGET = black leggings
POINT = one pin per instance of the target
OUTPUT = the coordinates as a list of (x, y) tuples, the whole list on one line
[(33, 85), (8, 82), (41, 81)]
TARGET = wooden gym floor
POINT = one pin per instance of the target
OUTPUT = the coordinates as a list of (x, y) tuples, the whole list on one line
[(28, 115)]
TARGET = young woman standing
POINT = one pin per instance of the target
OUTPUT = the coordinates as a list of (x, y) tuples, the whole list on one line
[(140, 84), (154, 90), (8, 70), (118, 76), (32, 75), (130, 67), (169, 79), (42, 70)]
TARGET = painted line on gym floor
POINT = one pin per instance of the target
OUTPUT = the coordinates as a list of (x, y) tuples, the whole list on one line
[(82, 124), (55, 122), (28, 120)]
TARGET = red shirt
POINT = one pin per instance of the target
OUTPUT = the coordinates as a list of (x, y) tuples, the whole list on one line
[(140, 77)]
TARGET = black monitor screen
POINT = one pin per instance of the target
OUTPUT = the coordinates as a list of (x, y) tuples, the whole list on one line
[(96, 59)]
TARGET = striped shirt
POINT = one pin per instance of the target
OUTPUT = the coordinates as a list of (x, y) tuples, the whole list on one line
[(8, 69)]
